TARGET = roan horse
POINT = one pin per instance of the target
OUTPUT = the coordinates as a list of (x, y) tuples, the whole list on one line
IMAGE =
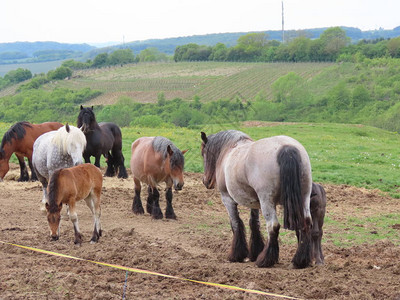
[(261, 174), (53, 150), (19, 139), (153, 160), (101, 139), (67, 186)]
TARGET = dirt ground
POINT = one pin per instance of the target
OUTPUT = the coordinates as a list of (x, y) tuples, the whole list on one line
[(192, 247)]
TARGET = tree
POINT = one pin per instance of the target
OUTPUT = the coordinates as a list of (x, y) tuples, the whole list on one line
[(18, 75), (393, 47), (121, 57), (100, 60), (219, 52), (333, 40), (59, 73), (152, 54)]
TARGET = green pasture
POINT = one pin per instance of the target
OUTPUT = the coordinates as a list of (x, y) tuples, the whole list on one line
[(356, 155)]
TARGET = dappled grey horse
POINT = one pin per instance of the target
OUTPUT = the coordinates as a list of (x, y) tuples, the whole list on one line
[(57, 149)]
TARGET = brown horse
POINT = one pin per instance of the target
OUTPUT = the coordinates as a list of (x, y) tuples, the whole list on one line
[(317, 208), (19, 139), (68, 186), (156, 159)]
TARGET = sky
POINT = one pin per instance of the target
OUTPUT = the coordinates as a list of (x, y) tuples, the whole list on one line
[(100, 21)]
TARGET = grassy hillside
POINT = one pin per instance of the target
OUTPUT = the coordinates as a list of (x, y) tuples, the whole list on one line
[(356, 155), (208, 80)]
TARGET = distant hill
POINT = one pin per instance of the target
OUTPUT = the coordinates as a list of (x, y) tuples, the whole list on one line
[(168, 45), (27, 52)]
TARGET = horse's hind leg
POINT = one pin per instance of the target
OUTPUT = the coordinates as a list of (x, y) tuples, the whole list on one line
[(169, 211), (74, 219), (137, 207), (93, 202), (33, 173), (119, 163), (239, 250), (256, 240), (156, 212), (270, 254), (149, 204), (22, 166)]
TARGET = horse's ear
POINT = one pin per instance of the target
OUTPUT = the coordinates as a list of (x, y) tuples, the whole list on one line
[(169, 150), (184, 151), (92, 107), (204, 137), (67, 127), (81, 107)]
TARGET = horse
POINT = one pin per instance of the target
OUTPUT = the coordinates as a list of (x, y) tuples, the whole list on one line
[(153, 160), (101, 139), (318, 208), (69, 185), (260, 175), (57, 149), (19, 139)]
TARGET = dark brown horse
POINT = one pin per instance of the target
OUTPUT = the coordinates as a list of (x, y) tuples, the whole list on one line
[(317, 208), (67, 186), (102, 139), (154, 160), (19, 139), (260, 175)]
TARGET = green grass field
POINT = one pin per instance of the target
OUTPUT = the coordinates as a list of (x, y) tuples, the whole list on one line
[(357, 155)]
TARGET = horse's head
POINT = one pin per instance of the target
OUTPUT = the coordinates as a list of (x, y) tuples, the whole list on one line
[(4, 166), (76, 144), (175, 165), (86, 118), (54, 217), (209, 167)]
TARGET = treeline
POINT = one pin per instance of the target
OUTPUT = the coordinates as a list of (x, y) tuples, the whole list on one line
[(118, 57), (332, 45)]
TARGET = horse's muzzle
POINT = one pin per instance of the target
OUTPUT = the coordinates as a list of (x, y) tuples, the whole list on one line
[(178, 187), (54, 237), (208, 184)]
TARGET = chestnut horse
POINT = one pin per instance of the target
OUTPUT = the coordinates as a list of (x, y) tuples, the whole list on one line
[(102, 139), (261, 174), (19, 139), (153, 160), (67, 186)]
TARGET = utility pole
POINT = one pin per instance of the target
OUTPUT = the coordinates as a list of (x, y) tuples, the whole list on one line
[(283, 26)]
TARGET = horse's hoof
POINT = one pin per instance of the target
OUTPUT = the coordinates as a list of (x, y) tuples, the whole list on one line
[(172, 217)]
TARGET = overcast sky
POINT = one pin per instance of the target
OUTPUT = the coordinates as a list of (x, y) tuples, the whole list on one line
[(97, 21)]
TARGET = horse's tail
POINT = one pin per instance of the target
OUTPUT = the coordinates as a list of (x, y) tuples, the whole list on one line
[(53, 191), (289, 161)]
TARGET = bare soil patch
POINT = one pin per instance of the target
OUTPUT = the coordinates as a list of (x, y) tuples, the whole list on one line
[(194, 246)]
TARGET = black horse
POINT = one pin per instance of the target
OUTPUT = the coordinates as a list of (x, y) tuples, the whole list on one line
[(102, 138)]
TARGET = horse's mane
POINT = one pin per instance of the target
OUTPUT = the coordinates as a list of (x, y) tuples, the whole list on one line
[(216, 143), (53, 190), (160, 144), (65, 136), (17, 131)]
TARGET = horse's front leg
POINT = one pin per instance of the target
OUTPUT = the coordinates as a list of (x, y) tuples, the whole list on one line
[(110, 172), (270, 254), (137, 207), (256, 239), (24, 176), (239, 250)]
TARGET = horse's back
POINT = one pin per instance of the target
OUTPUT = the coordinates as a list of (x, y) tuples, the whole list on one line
[(145, 161), (82, 179)]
